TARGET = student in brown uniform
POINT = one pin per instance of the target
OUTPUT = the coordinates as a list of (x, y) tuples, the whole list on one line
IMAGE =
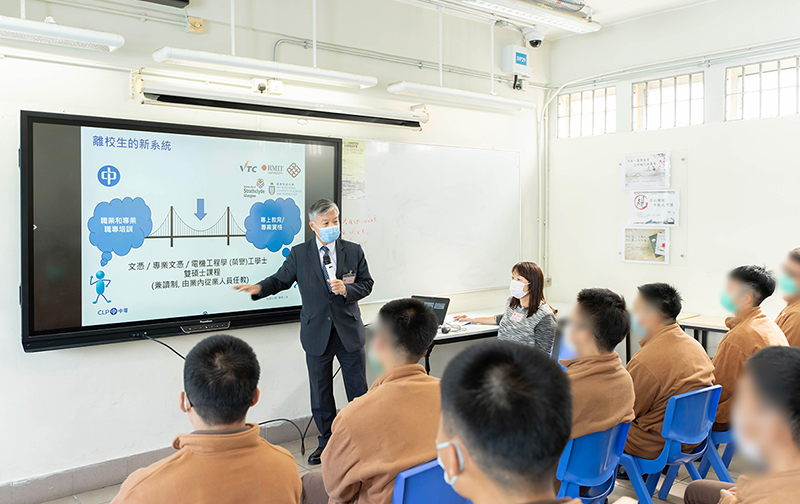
[(669, 363), (602, 391), (789, 318), (506, 416), (224, 461), (749, 331), (393, 426), (767, 429)]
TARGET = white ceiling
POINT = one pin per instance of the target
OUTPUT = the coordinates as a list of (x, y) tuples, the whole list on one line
[(615, 11)]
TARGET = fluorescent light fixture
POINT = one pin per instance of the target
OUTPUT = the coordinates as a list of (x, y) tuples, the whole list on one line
[(459, 97), (262, 68), (172, 91), (54, 34), (525, 12)]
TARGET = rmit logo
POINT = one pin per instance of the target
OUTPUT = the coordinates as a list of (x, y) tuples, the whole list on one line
[(522, 59), (108, 176), (247, 167)]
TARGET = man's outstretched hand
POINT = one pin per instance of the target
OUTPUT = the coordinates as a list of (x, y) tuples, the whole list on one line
[(250, 289)]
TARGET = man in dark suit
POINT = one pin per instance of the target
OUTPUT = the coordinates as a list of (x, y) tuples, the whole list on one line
[(330, 320)]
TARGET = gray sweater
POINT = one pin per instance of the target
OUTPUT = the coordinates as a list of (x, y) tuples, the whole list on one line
[(538, 330)]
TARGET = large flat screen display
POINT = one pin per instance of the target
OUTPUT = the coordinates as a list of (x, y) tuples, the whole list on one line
[(137, 228)]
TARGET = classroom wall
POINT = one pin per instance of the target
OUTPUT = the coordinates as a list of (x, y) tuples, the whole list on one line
[(737, 181), (69, 408)]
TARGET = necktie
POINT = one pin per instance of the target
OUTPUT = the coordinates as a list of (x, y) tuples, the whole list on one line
[(325, 251)]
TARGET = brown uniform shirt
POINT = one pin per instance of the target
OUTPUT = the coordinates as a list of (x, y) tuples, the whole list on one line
[(669, 363), (789, 322), (217, 469), (782, 488), (382, 433), (750, 331), (602, 393)]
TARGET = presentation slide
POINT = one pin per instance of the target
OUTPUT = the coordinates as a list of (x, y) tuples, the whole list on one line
[(172, 222)]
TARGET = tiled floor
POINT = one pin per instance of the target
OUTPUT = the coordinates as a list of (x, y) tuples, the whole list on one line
[(623, 488)]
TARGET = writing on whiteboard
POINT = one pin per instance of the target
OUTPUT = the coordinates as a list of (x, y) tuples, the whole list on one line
[(358, 229)]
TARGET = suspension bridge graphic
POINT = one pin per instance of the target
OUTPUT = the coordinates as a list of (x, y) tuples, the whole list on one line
[(174, 227)]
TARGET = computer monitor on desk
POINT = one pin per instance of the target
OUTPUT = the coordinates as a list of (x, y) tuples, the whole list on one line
[(438, 305)]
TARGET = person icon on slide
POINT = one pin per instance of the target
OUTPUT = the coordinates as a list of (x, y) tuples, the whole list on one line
[(100, 286)]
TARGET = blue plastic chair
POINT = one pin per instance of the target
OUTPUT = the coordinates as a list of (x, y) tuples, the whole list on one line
[(591, 461), (424, 484), (688, 420), (719, 438)]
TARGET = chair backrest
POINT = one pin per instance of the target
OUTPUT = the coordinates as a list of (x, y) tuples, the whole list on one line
[(592, 460), (424, 484), (689, 416)]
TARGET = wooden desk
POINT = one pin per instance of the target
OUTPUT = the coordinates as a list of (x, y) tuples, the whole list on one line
[(701, 325)]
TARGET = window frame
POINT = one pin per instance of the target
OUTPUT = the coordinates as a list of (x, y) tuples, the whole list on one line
[(691, 101), (569, 116)]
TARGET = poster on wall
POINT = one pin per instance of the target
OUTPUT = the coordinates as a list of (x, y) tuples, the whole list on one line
[(354, 170), (646, 171), (646, 245), (649, 208)]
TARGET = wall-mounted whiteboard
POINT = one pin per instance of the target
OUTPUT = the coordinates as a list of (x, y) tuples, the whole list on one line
[(435, 220)]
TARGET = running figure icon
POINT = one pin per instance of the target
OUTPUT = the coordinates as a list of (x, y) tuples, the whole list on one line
[(100, 286)]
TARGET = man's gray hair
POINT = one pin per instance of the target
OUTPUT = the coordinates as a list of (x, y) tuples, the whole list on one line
[(321, 207)]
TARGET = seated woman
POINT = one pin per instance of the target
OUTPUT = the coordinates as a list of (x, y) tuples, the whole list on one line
[(528, 318)]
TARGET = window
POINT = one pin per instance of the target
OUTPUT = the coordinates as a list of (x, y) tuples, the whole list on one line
[(668, 103), (587, 113), (762, 90)]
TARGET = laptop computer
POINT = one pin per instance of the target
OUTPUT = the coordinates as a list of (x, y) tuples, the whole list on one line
[(438, 305)]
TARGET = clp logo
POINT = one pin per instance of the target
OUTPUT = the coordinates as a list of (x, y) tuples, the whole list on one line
[(108, 176)]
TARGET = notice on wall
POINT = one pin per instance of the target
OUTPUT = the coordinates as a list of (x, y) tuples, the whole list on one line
[(655, 207), (646, 171), (354, 170), (646, 245)]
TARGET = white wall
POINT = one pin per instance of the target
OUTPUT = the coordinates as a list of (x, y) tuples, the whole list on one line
[(737, 180), (68, 408)]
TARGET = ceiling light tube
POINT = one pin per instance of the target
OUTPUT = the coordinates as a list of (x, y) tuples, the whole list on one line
[(261, 68), (54, 34), (459, 97), (527, 13)]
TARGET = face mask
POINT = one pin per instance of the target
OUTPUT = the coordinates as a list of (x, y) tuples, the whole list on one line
[(749, 449), (329, 234), (442, 446), (726, 300), (569, 351), (788, 285), (636, 329), (518, 289), (374, 362)]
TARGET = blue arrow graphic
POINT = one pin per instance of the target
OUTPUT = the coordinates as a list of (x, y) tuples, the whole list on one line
[(201, 203)]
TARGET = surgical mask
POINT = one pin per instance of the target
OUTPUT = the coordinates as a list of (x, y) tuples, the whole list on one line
[(636, 328), (726, 300), (442, 446), (329, 234), (569, 351), (788, 285), (374, 362), (518, 289), (749, 449)]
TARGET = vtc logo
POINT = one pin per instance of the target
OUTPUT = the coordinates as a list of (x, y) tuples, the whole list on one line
[(108, 176), (247, 167)]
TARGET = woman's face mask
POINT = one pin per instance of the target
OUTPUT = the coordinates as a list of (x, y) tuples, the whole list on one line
[(518, 289)]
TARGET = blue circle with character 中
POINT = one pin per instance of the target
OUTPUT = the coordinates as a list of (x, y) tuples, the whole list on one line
[(108, 176)]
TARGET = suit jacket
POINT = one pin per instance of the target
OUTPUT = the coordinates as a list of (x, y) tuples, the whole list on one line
[(321, 308)]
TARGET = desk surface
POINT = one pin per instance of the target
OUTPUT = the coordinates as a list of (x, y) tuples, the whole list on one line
[(704, 322), (472, 329)]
